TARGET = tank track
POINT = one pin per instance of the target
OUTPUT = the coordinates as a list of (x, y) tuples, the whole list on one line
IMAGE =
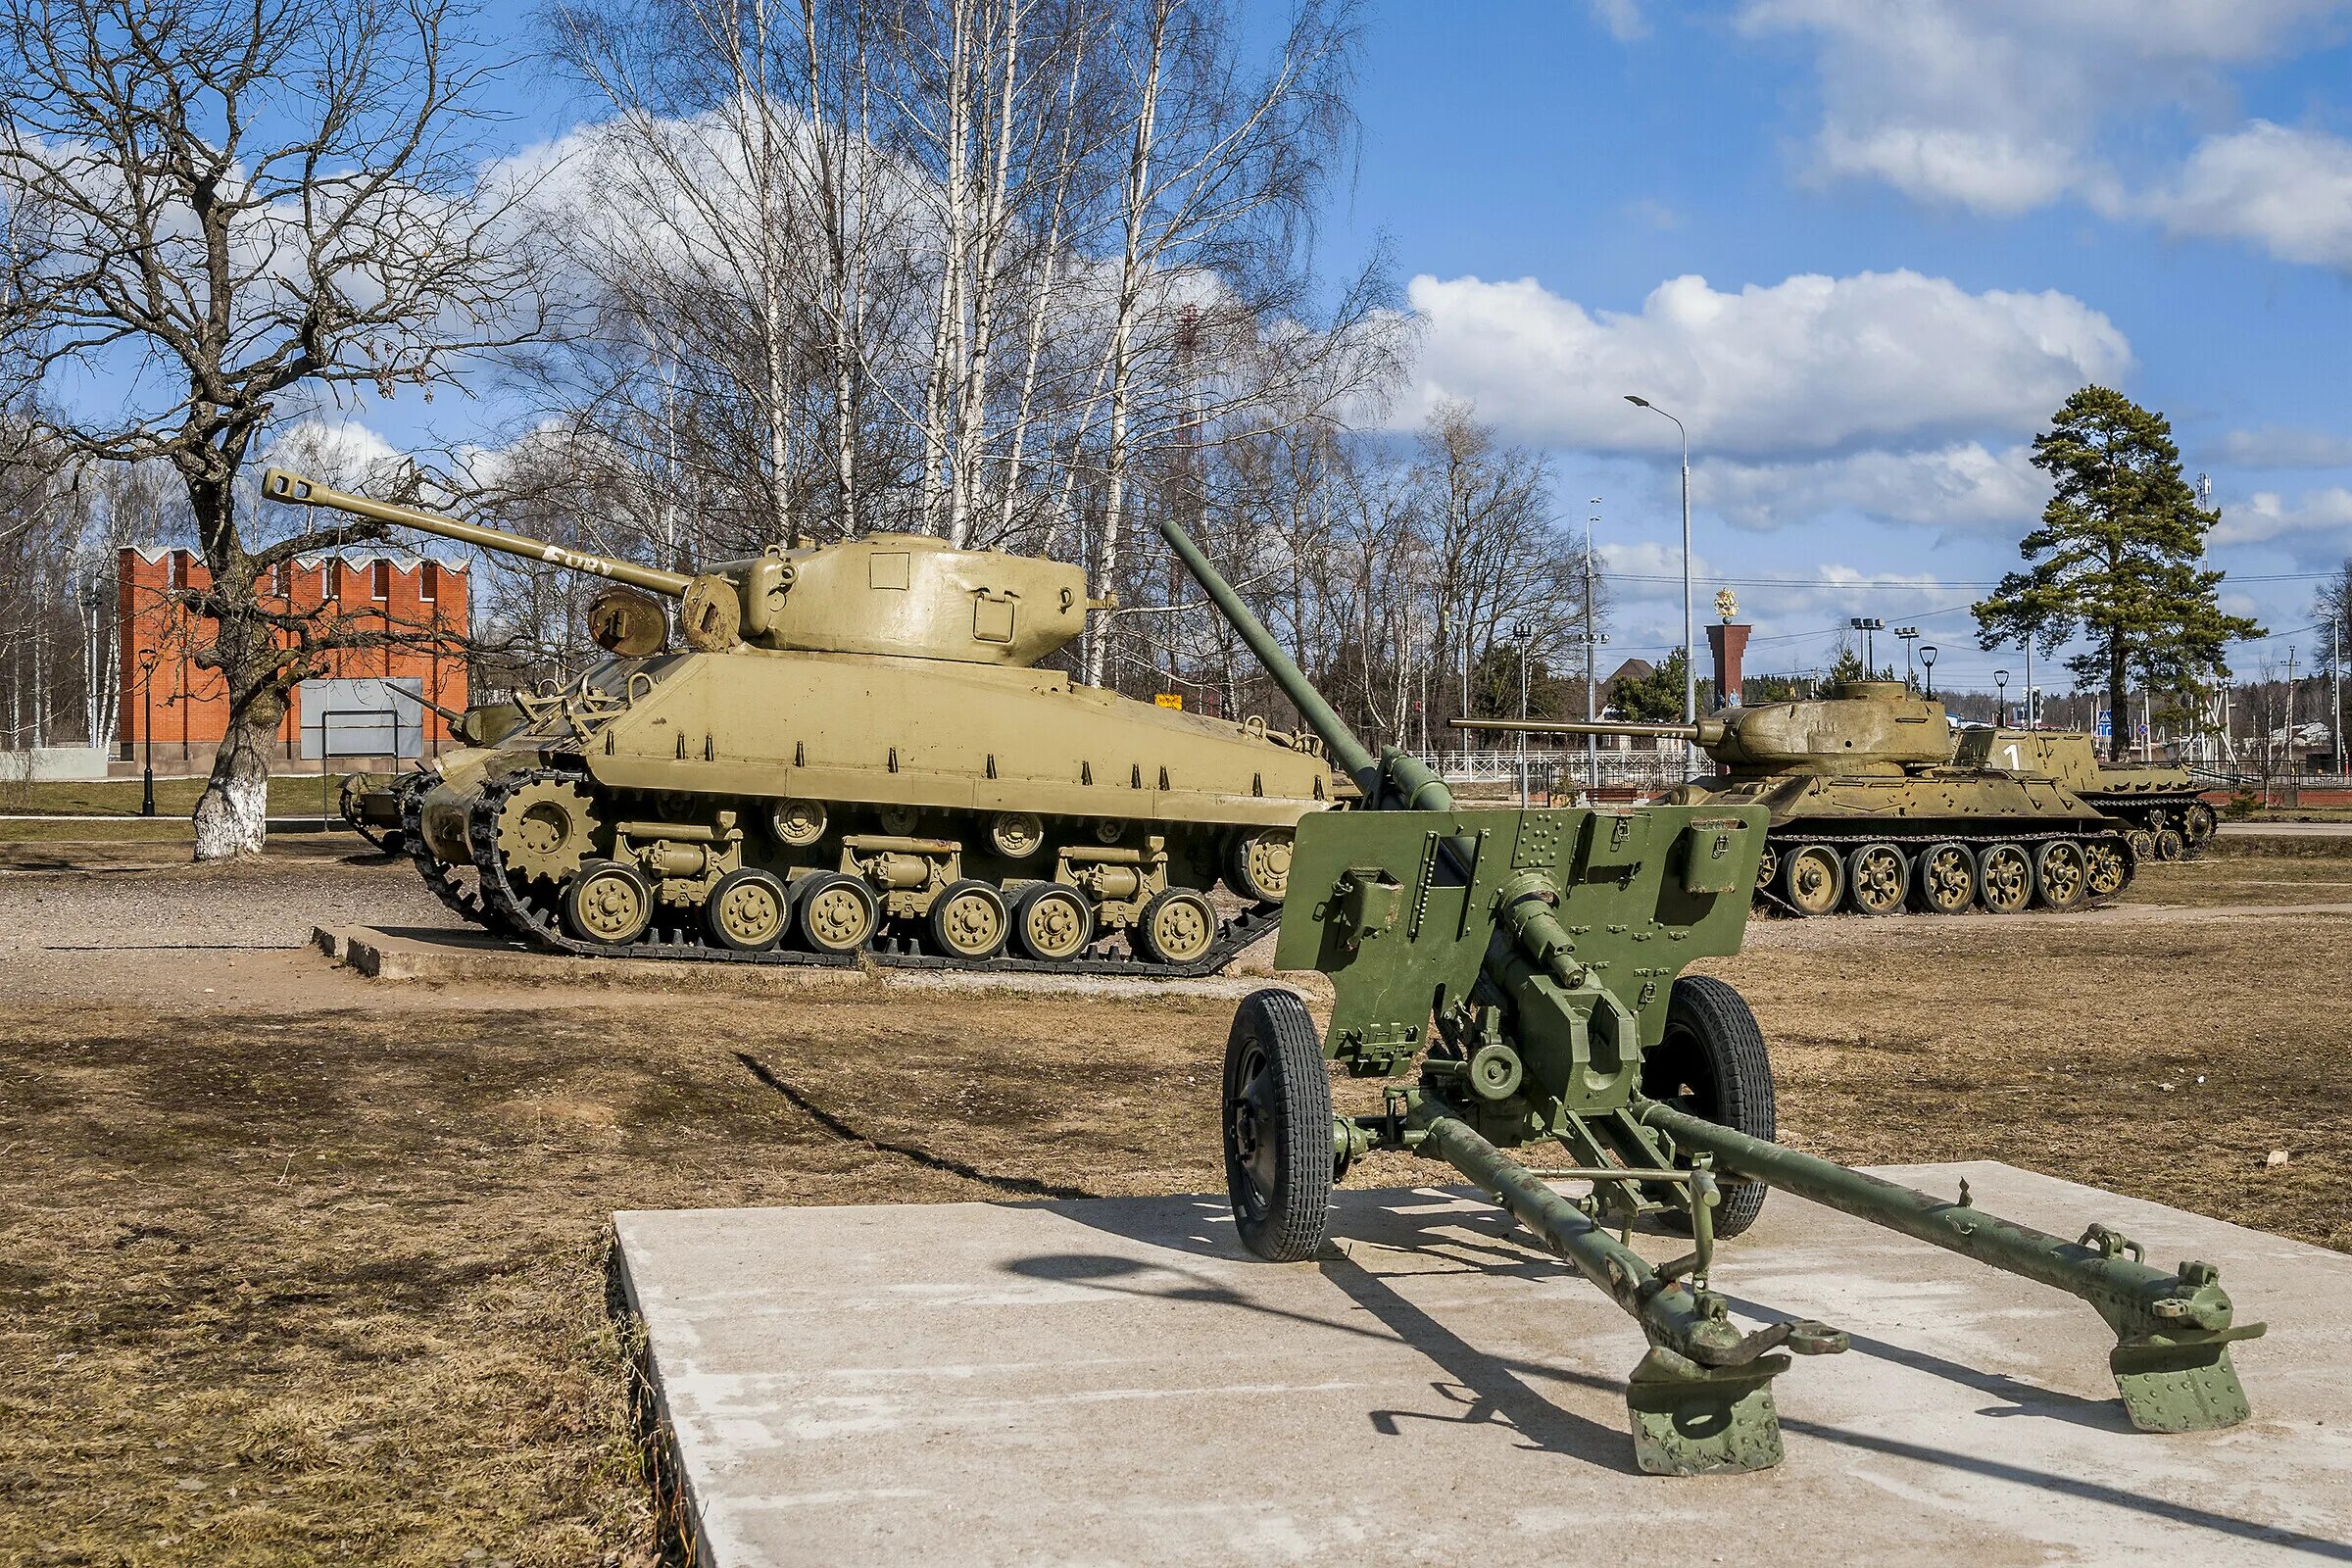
[(430, 869), (1781, 845), (507, 904), (2131, 812)]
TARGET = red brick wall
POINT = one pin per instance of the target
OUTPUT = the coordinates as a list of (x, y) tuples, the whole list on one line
[(189, 703)]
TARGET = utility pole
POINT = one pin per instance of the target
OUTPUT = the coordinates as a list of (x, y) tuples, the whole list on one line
[(1525, 638), (2335, 669)]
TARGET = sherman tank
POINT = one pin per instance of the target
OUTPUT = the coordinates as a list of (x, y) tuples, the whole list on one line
[(2162, 807), (852, 750), (371, 802), (1870, 813)]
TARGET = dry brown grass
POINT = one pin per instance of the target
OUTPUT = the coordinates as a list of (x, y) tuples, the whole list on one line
[(327, 1281)]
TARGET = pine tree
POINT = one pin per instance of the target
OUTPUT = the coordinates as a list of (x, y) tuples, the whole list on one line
[(2117, 561)]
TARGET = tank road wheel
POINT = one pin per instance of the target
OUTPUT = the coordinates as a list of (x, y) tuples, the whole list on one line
[(1768, 866), (2143, 845), (1052, 922), (1712, 1063), (607, 902), (834, 911), (2061, 875), (1945, 881), (2004, 878), (2169, 845), (543, 829), (1257, 865), (1178, 927), (969, 920), (1877, 879), (2105, 870), (746, 911), (2198, 823), (1278, 1156), (1813, 879)]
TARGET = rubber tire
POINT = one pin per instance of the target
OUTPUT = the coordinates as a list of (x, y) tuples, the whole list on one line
[(1287, 1223), (939, 906), (1902, 863), (1147, 945), (1792, 858), (579, 879), (727, 884), (2041, 891), (1713, 1046), (818, 882), (1985, 904), (1020, 917), (1919, 879)]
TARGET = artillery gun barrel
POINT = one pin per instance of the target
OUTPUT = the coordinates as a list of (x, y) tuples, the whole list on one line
[(292, 489)]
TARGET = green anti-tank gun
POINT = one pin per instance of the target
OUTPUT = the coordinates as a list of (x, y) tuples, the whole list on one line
[(1519, 974), (856, 752), (1869, 812)]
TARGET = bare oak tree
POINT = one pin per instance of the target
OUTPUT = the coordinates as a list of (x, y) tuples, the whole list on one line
[(211, 208)]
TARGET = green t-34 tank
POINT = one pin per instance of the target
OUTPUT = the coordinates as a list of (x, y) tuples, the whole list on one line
[(854, 753), (2161, 806), (1869, 812)]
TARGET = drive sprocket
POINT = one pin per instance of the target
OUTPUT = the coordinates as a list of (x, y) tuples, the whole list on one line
[(545, 828)]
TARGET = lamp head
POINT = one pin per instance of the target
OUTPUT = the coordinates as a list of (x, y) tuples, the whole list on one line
[(1639, 403)]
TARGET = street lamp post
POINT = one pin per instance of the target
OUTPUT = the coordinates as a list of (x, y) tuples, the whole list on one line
[(1927, 657), (1690, 656), (147, 658), (1866, 625), (1909, 635), (2000, 686)]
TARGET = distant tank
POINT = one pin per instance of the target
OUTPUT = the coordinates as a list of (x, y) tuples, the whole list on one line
[(2161, 806), (855, 752), (371, 802), (1869, 812)]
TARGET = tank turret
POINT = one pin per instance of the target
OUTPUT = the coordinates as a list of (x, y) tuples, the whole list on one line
[(906, 596), (1864, 728)]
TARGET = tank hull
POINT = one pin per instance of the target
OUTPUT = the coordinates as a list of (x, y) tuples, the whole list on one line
[(2160, 804)]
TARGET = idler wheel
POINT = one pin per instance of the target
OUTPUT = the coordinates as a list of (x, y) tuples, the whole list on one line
[(2004, 878), (1877, 879), (1768, 866), (2061, 874), (1278, 1128), (746, 911), (2104, 866), (1257, 865), (1052, 922), (1178, 927), (969, 920), (544, 830), (834, 911), (2169, 845), (1813, 879), (1712, 1063), (1945, 881), (607, 903)]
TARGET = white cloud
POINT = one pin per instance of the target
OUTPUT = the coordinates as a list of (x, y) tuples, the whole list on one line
[(2277, 447), (1998, 106), (2287, 190), (1811, 365), (2266, 515), (1620, 19), (1963, 488)]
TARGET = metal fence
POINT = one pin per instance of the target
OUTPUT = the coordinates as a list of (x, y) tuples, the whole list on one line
[(1663, 768)]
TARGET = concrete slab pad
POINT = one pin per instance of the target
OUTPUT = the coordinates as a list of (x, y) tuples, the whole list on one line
[(1117, 1382)]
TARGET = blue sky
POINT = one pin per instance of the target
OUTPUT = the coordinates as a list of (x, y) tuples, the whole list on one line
[(1918, 225)]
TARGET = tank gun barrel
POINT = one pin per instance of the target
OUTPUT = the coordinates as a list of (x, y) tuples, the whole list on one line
[(1706, 732), (292, 489)]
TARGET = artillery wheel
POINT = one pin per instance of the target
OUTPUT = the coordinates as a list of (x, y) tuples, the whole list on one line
[(1257, 865), (2169, 845), (2061, 875), (1178, 926), (607, 902), (1278, 1128), (1945, 882), (746, 911), (969, 920), (1813, 879), (1877, 879), (1712, 1063), (2198, 824), (2004, 878), (834, 911), (1052, 922), (2106, 867)]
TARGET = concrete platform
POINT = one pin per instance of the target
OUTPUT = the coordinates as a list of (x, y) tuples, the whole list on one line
[(1115, 1381), (446, 955)]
